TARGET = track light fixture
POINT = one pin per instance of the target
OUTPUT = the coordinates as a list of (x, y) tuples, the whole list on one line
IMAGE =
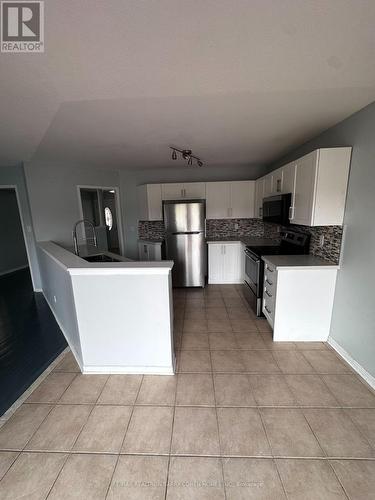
[(186, 154)]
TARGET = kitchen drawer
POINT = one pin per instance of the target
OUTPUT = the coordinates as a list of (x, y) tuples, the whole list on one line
[(269, 294), (268, 310), (270, 279)]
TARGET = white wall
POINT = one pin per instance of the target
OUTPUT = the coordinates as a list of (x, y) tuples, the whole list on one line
[(53, 196), (353, 319), (57, 289), (12, 249)]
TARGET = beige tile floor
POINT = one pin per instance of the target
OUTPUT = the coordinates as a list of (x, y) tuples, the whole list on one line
[(244, 418)]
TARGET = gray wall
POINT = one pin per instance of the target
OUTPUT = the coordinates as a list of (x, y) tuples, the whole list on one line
[(12, 248), (14, 176), (353, 322), (54, 197), (131, 179)]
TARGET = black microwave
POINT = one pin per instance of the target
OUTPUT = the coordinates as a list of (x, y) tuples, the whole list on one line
[(276, 209)]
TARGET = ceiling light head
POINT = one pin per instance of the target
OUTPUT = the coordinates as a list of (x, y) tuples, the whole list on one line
[(186, 153), (174, 155), (200, 163), (190, 161)]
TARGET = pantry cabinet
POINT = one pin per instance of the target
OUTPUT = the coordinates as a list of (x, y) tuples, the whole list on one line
[(225, 262), (149, 202)]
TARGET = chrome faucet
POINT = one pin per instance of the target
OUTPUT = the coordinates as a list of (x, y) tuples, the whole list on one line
[(75, 241)]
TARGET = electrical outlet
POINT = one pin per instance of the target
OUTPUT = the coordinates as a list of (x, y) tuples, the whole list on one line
[(236, 226), (321, 241)]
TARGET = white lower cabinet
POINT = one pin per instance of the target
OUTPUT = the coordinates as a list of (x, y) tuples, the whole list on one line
[(149, 250), (298, 302), (225, 262)]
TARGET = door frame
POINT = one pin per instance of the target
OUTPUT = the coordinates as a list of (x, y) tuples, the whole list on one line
[(24, 232), (118, 209)]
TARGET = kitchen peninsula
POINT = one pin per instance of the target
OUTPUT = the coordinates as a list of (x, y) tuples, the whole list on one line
[(117, 317)]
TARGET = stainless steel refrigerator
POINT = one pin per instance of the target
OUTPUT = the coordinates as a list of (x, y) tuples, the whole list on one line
[(185, 241)]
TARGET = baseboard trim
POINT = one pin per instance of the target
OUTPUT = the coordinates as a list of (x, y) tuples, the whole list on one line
[(131, 370), (14, 270), (369, 379)]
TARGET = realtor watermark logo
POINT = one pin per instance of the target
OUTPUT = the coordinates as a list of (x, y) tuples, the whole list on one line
[(22, 26)]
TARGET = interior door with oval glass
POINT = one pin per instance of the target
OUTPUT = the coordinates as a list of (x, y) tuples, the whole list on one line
[(99, 205)]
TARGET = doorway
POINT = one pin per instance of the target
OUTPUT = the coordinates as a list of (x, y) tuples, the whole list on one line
[(101, 206), (13, 253)]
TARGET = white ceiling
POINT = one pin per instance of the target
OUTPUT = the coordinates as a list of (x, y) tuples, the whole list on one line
[(238, 81)]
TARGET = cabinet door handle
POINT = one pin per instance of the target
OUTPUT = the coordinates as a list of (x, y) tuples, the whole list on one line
[(278, 185), (291, 213), (224, 249), (260, 211)]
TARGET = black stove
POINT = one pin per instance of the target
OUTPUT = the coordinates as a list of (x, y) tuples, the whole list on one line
[(292, 243)]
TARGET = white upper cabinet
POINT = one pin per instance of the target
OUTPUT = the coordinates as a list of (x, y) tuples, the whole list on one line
[(259, 194), (289, 177), (268, 185), (218, 200), (302, 209), (242, 199), (187, 190), (321, 180), (172, 191), (194, 190), (277, 181), (149, 202), (230, 200)]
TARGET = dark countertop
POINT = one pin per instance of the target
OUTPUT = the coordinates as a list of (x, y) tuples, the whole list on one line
[(246, 240), (151, 240)]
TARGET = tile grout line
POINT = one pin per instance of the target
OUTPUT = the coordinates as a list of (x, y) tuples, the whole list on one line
[(338, 479), (173, 417), (123, 439), (218, 431), (68, 454)]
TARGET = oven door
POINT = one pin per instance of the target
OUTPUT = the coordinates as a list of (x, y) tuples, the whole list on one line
[(251, 287), (252, 271)]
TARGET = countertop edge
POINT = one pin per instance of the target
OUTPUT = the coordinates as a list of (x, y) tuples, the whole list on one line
[(75, 265), (316, 263)]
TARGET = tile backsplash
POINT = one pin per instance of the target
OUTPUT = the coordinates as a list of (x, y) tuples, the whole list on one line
[(151, 230), (226, 228)]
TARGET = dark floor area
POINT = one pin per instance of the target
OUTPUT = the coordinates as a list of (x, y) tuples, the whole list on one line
[(30, 338)]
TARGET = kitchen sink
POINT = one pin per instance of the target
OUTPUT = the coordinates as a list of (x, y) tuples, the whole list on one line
[(100, 258)]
